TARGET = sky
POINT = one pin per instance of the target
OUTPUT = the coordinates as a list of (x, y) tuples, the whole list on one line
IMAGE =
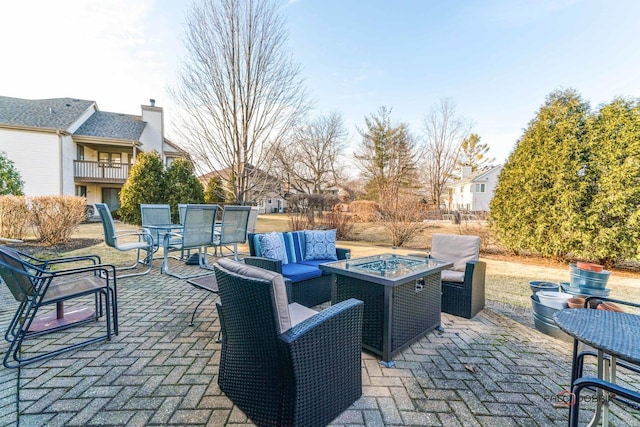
[(497, 60)]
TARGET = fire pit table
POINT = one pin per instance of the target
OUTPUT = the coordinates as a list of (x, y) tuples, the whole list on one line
[(401, 295)]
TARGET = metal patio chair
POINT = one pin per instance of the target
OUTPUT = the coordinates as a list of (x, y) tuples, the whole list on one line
[(233, 228), (114, 239), (156, 219), (197, 233), (34, 285), (154, 214)]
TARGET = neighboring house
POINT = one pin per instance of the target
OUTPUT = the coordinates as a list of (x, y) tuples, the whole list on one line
[(474, 190), (266, 191), (66, 146)]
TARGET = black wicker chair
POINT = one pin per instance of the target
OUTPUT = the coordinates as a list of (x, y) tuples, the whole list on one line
[(463, 286), (284, 364)]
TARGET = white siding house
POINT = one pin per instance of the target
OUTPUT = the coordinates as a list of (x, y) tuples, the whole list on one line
[(474, 190), (66, 146)]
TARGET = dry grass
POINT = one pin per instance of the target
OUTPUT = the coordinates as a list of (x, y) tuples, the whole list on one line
[(507, 278)]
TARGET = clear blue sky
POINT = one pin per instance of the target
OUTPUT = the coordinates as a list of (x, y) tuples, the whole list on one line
[(497, 60)]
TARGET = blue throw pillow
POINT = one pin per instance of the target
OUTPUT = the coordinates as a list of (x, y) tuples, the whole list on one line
[(272, 246), (320, 244)]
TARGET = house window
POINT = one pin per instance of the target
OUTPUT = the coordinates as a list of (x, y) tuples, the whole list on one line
[(480, 188), (80, 152), (110, 157), (113, 159), (81, 190)]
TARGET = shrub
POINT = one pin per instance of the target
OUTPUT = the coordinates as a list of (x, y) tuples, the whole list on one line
[(339, 220), (144, 185), (401, 216), (10, 181), (14, 216), (55, 218), (365, 211), (181, 186)]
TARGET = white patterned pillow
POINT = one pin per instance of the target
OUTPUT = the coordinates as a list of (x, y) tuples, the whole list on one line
[(272, 246), (320, 244)]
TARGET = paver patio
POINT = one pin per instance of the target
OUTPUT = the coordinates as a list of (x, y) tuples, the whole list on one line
[(161, 371)]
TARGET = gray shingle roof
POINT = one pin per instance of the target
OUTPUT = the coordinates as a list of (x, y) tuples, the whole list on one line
[(112, 125), (57, 113)]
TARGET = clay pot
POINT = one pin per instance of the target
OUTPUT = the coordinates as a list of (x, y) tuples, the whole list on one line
[(577, 302), (609, 306), (596, 268)]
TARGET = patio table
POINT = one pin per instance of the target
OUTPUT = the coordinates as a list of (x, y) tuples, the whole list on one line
[(401, 294), (611, 333)]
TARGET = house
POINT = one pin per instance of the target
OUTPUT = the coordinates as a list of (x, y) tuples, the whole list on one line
[(264, 191), (67, 146), (474, 190)]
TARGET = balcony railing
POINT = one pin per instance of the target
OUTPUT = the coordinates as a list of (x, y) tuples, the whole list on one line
[(87, 171)]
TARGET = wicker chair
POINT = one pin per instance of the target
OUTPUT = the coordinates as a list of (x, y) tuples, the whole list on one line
[(463, 286), (284, 364)]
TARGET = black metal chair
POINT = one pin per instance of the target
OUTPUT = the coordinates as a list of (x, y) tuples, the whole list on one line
[(144, 242), (34, 286), (284, 364)]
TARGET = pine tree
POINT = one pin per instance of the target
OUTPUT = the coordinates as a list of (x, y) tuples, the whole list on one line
[(472, 153)]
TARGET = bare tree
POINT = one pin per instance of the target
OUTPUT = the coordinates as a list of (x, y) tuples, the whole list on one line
[(310, 161), (444, 132), (238, 90)]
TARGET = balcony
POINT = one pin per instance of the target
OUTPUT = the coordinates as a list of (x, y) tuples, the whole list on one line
[(107, 172)]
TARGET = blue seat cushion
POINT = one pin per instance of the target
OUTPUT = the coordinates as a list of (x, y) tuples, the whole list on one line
[(300, 272), (316, 262)]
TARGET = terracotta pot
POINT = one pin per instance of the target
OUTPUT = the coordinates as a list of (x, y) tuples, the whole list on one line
[(576, 302), (606, 305), (596, 268)]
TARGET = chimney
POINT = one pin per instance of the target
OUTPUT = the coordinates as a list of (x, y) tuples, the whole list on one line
[(466, 171), (152, 102)]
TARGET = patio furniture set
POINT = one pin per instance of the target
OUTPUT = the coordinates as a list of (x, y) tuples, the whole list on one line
[(282, 362)]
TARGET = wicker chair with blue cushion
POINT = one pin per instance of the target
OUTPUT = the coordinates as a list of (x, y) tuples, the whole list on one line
[(284, 364), (296, 255)]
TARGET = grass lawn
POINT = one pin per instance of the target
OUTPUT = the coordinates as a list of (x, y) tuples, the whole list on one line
[(507, 277)]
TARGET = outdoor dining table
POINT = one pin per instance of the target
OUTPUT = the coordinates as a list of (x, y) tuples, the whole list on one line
[(612, 334), (159, 230)]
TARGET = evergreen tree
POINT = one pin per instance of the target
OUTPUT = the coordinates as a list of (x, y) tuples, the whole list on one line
[(214, 192), (540, 199), (144, 185), (182, 186), (386, 157), (472, 153), (10, 181), (612, 229)]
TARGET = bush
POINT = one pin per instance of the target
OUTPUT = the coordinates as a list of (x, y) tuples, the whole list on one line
[(10, 181), (55, 218), (339, 220), (14, 216), (144, 185), (365, 211), (181, 186)]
